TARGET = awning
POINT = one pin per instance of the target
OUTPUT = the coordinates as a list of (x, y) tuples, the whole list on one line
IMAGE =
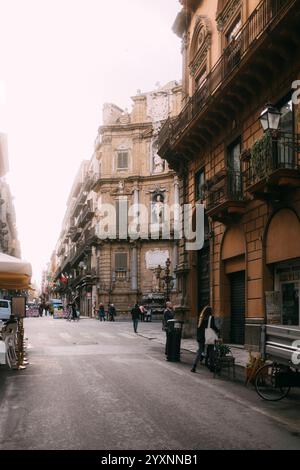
[(15, 273)]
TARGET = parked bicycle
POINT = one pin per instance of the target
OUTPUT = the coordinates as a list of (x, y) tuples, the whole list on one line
[(273, 381)]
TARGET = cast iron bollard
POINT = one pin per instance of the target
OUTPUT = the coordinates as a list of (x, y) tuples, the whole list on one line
[(174, 331)]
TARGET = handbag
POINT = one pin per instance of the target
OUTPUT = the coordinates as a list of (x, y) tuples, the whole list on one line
[(210, 334)]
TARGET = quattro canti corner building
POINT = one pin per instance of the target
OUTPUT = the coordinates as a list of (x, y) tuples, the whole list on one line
[(235, 146), (124, 171)]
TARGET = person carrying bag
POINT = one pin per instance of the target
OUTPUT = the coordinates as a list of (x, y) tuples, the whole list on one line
[(211, 335)]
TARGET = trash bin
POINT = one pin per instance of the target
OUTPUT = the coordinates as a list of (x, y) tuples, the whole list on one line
[(174, 331)]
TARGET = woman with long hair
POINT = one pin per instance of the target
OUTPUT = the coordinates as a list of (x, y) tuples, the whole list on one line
[(204, 316)]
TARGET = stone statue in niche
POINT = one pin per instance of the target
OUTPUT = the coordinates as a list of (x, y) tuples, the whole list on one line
[(159, 164), (158, 209)]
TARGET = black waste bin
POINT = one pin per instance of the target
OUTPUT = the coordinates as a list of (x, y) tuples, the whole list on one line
[(174, 331)]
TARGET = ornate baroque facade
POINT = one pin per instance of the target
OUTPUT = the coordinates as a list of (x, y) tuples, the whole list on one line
[(239, 55), (125, 169)]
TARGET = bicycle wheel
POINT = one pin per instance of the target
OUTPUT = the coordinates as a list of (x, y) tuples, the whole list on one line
[(266, 384)]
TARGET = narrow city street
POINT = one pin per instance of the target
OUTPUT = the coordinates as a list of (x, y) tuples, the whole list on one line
[(92, 385)]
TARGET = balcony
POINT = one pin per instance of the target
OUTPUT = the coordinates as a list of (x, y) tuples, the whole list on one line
[(120, 275), (82, 278), (86, 215), (75, 234), (225, 199), (234, 79), (61, 250), (90, 180), (273, 165)]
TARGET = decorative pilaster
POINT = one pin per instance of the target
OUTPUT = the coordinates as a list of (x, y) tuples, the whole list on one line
[(134, 268), (175, 264)]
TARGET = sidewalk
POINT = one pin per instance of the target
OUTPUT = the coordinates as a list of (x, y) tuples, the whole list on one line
[(153, 331)]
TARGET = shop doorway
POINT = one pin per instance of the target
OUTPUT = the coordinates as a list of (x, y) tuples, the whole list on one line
[(237, 303)]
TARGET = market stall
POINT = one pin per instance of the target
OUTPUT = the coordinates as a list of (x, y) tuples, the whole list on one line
[(15, 274)]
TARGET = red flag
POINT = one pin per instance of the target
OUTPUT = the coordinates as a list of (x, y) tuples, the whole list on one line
[(63, 279)]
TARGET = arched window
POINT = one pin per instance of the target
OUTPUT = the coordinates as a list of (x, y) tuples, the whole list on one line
[(199, 51)]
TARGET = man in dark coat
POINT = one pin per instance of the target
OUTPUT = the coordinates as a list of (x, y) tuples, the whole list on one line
[(135, 313), (112, 312), (168, 315)]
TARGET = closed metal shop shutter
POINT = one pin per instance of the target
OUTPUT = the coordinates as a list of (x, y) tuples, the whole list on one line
[(203, 277), (237, 288)]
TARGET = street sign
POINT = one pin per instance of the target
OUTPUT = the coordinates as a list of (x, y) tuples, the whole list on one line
[(18, 307)]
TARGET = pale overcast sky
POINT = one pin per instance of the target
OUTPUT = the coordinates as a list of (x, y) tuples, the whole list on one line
[(60, 60)]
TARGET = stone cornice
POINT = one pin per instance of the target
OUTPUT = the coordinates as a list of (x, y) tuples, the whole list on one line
[(136, 179), (124, 127)]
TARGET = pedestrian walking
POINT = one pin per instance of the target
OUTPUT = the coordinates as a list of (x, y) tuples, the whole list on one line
[(135, 313), (101, 312), (168, 315), (112, 313), (205, 345), (74, 312), (47, 310), (41, 309)]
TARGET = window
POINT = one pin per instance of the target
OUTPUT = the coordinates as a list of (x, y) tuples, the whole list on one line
[(200, 79), (234, 152), (287, 116), (234, 31), (122, 160), (285, 154), (234, 178), (121, 262), (199, 184)]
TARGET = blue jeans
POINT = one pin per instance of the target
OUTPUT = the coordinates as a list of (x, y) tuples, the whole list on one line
[(200, 353), (135, 325)]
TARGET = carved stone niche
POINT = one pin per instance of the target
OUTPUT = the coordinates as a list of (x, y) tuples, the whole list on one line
[(200, 44)]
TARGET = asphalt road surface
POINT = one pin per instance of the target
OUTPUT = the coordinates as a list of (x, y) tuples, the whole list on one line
[(93, 385)]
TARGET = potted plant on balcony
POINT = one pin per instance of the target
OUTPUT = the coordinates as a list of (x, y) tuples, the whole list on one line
[(261, 156)]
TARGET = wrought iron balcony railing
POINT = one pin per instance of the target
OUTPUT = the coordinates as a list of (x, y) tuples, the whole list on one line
[(228, 190), (86, 215), (267, 12), (80, 277), (271, 155)]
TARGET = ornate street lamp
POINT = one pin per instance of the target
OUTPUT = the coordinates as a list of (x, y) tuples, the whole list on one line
[(270, 118), (168, 279), (158, 272)]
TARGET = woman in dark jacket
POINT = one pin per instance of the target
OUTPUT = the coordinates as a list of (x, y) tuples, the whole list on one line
[(135, 313), (206, 313), (101, 312)]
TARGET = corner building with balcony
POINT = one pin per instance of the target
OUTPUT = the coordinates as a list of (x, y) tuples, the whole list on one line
[(239, 55), (125, 171)]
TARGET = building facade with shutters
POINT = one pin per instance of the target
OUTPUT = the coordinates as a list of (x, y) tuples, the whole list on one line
[(126, 175), (238, 56), (9, 242)]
